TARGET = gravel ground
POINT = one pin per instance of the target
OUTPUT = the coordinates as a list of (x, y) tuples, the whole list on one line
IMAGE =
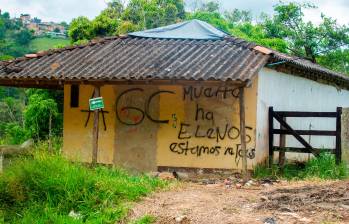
[(224, 202)]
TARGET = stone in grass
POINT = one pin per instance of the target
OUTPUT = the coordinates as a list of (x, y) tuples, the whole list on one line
[(180, 219), (75, 215)]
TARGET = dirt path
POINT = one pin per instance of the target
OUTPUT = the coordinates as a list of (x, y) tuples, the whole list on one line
[(296, 202)]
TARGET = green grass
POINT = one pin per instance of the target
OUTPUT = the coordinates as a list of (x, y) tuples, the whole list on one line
[(147, 219), (46, 188), (322, 167), (45, 43)]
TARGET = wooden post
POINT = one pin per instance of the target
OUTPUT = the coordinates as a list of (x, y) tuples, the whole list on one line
[(95, 129), (282, 144), (243, 134), (338, 150), (271, 136)]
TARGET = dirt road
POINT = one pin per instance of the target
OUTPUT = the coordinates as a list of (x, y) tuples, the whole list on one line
[(285, 202)]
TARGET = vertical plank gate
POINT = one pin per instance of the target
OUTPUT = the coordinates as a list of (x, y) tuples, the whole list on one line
[(286, 129)]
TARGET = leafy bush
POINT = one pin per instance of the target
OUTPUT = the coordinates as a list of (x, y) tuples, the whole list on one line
[(323, 167), (46, 188), (15, 134), (38, 113)]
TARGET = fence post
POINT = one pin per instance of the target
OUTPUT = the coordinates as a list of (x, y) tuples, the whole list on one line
[(338, 150), (271, 135), (282, 144)]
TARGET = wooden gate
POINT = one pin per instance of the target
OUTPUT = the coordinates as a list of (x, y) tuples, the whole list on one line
[(286, 129)]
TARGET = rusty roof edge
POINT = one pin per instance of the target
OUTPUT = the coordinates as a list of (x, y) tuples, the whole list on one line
[(290, 62), (297, 61)]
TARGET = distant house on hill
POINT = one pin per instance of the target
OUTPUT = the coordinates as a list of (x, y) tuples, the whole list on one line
[(42, 28), (25, 18), (185, 96)]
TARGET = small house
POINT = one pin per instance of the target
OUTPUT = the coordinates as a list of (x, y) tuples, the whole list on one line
[(182, 96)]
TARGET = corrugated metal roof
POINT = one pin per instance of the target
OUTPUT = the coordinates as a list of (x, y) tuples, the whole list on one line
[(308, 69), (132, 58)]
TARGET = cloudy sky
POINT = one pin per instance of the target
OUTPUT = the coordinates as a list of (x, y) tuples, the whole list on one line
[(65, 10)]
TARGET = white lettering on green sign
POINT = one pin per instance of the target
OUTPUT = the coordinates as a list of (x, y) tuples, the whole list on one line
[(96, 103)]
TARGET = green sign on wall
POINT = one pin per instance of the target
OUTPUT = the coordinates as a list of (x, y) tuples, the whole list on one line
[(96, 103)]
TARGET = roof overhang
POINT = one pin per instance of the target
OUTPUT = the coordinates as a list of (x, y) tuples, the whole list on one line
[(125, 60)]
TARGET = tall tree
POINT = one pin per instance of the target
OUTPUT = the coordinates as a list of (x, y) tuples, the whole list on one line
[(237, 16), (305, 38), (80, 29), (107, 22), (257, 34), (154, 13), (337, 60)]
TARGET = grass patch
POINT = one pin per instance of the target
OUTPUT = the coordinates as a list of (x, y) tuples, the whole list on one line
[(323, 167), (45, 43), (46, 188), (147, 219)]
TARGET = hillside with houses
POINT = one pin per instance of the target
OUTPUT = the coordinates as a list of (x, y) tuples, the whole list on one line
[(41, 28), (23, 35)]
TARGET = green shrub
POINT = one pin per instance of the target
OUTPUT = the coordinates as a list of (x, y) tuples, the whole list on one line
[(46, 188), (15, 133), (323, 167)]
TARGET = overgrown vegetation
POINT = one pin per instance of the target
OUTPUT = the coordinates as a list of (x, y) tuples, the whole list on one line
[(28, 114), (322, 167), (46, 188)]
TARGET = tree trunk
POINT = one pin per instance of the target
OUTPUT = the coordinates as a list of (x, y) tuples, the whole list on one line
[(310, 54)]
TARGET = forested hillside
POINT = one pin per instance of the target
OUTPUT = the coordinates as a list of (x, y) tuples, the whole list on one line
[(27, 113)]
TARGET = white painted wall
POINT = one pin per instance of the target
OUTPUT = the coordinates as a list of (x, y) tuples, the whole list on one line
[(293, 93)]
